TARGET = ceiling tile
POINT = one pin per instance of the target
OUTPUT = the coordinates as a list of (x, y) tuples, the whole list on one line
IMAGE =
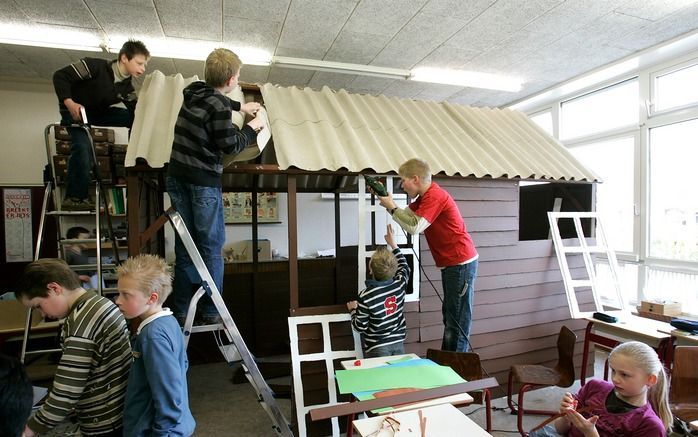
[(356, 48), (312, 25), (406, 89), (464, 10), (202, 19), (132, 21), (63, 12), (437, 92), (165, 65), (289, 76), (448, 57), (261, 10), (383, 17), (417, 40), (10, 12), (45, 61), (17, 69), (678, 23), (189, 68), (369, 85), (335, 81), (653, 9), (257, 34), (254, 74)]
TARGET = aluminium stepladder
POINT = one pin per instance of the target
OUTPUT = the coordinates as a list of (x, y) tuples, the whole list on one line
[(236, 350), (51, 190)]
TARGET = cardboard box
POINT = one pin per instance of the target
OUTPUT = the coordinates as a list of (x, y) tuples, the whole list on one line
[(102, 135), (263, 250), (63, 147), (664, 308)]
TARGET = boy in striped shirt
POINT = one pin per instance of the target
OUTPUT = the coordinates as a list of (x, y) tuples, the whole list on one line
[(91, 376), (377, 313)]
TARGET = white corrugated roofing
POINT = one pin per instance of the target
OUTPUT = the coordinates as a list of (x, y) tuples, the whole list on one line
[(331, 130)]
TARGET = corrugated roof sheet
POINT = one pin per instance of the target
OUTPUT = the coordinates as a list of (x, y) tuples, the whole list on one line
[(331, 130)]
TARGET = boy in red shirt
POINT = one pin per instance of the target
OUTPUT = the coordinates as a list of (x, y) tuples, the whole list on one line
[(435, 213)]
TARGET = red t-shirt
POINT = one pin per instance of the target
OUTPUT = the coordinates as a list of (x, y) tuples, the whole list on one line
[(448, 239)]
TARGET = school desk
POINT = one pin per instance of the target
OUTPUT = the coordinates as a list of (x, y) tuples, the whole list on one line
[(628, 327), (443, 420), (13, 316), (370, 363)]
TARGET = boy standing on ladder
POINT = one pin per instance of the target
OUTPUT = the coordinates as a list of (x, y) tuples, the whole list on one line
[(203, 132), (94, 85)]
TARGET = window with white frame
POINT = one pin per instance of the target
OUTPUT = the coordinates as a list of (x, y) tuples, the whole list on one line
[(676, 88), (673, 205), (544, 120), (609, 108), (615, 195)]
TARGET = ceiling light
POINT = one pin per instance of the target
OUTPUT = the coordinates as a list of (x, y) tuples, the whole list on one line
[(49, 36), (194, 50), (341, 67), (470, 79)]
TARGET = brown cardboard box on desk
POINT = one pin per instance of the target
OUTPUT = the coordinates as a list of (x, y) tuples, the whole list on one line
[(659, 310), (241, 251)]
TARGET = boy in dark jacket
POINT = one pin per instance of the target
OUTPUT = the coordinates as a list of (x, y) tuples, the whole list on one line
[(95, 85), (203, 133)]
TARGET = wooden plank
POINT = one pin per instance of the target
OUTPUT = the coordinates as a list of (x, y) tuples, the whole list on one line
[(481, 208), (505, 193), (481, 224), (495, 238), (475, 182), (485, 339)]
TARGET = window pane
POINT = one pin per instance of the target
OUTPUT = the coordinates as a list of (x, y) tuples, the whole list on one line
[(615, 196), (609, 108), (673, 215), (544, 120), (677, 88)]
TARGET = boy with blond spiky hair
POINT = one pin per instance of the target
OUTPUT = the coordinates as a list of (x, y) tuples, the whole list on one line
[(157, 399), (378, 312)]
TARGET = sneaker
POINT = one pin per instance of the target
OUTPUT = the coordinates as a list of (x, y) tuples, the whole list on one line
[(74, 204)]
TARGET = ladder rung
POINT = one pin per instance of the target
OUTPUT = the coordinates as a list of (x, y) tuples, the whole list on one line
[(92, 266), (71, 213), (42, 351), (206, 328), (589, 249), (76, 240)]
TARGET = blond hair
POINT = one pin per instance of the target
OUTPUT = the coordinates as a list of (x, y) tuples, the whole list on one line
[(415, 167), (221, 65), (150, 272), (383, 264), (646, 359)]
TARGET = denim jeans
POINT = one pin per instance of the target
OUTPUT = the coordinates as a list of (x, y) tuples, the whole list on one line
[(81, 160), (457, 310), (546, 431), (201, 209), (386, 351)]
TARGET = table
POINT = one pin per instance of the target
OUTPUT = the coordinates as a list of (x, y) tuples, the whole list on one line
[(683, 338), (367, 363), (443, 420), (13, 316), (628, 327)]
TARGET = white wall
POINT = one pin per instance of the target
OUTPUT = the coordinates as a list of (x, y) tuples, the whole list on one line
[(27, 108)]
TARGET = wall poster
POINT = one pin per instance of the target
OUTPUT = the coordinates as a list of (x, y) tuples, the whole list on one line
[(18, 224), (237, 208)]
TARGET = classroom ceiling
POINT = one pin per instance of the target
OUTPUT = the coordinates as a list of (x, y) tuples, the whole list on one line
[(543, 42)]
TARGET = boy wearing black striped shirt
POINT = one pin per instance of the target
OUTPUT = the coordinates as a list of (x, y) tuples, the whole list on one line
[(378, 312), (93, 370)]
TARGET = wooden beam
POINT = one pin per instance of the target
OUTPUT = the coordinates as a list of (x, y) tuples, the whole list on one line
[(403, 398), (293, 242)]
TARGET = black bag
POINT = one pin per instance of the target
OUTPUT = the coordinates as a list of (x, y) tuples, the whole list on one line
[(681, 429), (690, 326)]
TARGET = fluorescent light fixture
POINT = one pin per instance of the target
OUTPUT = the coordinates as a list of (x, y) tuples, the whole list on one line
[(341, 67), (49, 36), (470, 79), (194, 50)]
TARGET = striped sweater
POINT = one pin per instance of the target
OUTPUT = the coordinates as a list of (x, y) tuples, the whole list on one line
[(93, 371), (203, 132), (378, 315)]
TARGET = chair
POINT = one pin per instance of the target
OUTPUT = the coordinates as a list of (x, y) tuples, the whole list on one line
[(467, 366), (683, 391), (532, 376)]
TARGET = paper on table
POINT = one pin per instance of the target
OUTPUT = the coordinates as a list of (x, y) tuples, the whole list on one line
[(382, 378), (253, 150)]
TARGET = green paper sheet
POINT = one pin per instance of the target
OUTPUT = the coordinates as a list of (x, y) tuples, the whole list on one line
[(387, 377)]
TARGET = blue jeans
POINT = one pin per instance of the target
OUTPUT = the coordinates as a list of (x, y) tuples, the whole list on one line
[(457, 310), (201, 209), (81, 159), (386, 351), (546, 431)]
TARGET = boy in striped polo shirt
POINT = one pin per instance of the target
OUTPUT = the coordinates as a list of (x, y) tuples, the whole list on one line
[(378, 312), (91, 376)]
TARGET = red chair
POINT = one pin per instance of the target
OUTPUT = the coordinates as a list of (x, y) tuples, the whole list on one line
[(467, 366), (532, 376)]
